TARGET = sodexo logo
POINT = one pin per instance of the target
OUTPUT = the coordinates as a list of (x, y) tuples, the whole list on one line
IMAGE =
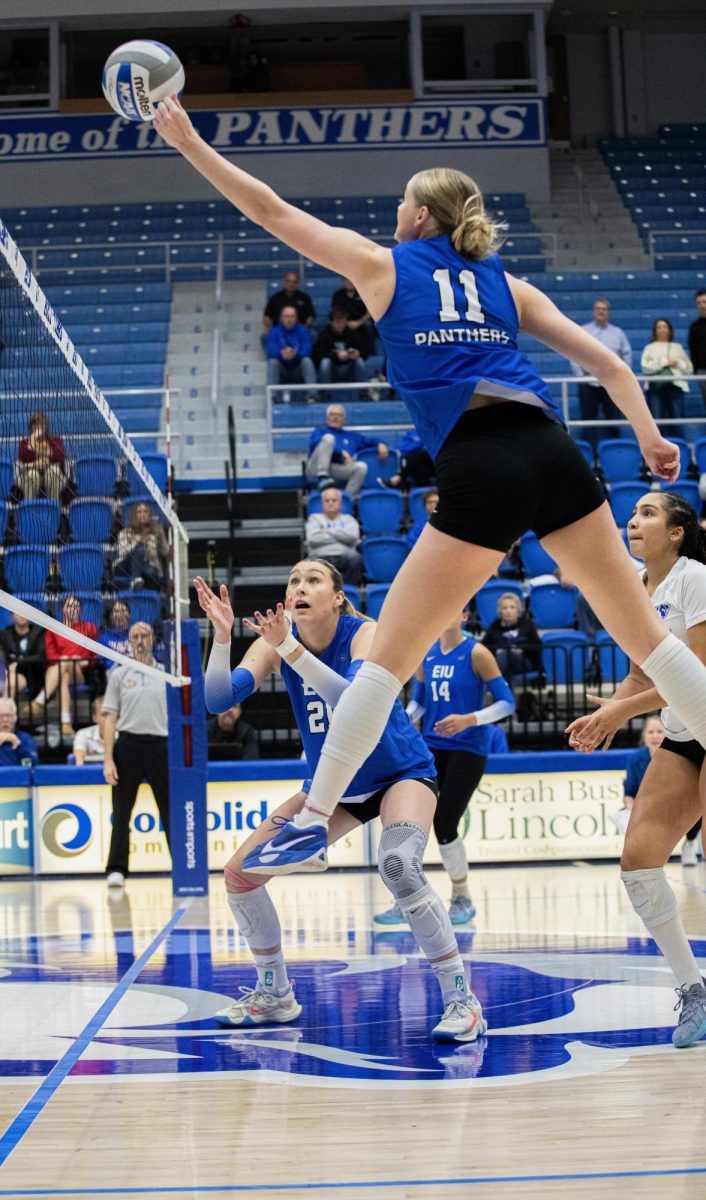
[(66, 830)]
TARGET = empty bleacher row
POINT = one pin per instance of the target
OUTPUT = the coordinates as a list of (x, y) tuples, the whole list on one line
[(662, 181)]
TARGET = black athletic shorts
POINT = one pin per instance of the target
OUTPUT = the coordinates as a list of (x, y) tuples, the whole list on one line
[(508, 468), (692, 750), (368, 810)]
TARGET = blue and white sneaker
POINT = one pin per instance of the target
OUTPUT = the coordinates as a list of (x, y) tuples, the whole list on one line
[(256, 1007), (292, 849), (461, 910), (391, 916)]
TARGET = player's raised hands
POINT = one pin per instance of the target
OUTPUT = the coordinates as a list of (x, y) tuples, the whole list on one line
[(173, 123), (272, 627), (217, 608)]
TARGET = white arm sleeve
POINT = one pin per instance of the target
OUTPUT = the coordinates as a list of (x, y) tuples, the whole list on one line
[(325, 682), (494, 712)]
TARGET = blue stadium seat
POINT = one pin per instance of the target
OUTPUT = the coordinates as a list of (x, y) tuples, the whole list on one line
[(613, 663), (5, 618), (144, 604), (487, 598), (383, 557), (385, 468), (688, 488), (81, 567), (313, 504), (3, 518), (553, 606), (586, 449), (158, 468), (7, 476), (684, 453), (623, 498), (415, 501), (380, 511), (565, 656), (375, 599), (92, 607), (37, 600), (353, 594), (26, 568), (91, 520), (95, 476), (620, 459), (37, 521), (700, 455), (533, 556)]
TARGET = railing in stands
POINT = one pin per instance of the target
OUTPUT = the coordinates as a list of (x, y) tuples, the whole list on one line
[(653, 249)]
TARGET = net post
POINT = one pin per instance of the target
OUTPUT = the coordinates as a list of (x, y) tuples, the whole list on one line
[(188, 766)]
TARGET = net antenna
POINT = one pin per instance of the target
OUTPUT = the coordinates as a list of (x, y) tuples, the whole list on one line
[(80, 514)]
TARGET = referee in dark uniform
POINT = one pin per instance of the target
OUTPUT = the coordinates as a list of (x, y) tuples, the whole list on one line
[(135, 706)]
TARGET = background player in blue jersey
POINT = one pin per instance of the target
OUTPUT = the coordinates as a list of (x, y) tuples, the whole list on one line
[(318, 656), (449, 318), (450, 687)]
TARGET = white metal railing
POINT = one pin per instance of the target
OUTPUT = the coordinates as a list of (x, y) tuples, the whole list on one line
[(661, 233), (565, 382)]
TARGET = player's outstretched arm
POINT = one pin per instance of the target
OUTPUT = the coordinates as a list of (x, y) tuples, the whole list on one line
[(342, 250), (222, 687), (540, 317)]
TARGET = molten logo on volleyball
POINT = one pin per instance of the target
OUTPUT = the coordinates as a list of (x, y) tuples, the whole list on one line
[(138, 75)]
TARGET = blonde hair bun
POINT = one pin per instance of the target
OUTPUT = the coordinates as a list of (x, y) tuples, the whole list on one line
[(456, 203)]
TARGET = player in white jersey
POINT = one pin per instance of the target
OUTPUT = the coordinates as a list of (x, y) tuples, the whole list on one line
[(664, 531)]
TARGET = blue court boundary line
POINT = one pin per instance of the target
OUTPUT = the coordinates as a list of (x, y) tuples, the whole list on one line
[(37, 1102), (239, 1189)]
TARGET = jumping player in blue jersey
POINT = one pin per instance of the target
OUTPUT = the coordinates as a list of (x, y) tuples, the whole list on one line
[(448, 696), (449, 317), (317, 657)]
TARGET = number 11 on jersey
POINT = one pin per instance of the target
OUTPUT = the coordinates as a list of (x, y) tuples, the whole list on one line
[(448, 310)]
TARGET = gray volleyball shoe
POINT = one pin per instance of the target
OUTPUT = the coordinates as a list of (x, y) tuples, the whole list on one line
[(692, 1018)]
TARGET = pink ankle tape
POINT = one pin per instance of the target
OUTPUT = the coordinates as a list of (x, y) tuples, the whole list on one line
[(238, 883), (319, 812)]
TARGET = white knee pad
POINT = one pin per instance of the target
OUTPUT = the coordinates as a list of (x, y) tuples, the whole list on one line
[(651, 896), (453, 856), (430, 923), (400, 854), (256, 918)]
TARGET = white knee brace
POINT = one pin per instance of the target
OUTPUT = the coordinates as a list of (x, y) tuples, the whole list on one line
[(256, 918), (400, 855), (650, 895)]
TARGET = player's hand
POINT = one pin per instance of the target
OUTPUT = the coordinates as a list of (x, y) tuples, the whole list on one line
[(110, 773), (662, 457), (272, 627), (587, 733), (451, 725), (173, 124), (217, 608)]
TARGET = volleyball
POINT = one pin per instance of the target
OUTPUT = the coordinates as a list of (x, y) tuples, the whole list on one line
[(139, 74)]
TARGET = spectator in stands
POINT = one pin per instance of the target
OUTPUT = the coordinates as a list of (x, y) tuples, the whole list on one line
[(22, 651), (334, 536), (288, 297), (115, 634), (229, 737), (359, 319), (697, 340), (142, 550), (592, 397), (665, 358), (333, 449), (289, 353), (513, 638), (638, 761), (16, 747), (68, 664), (41, 469), (430, 500), (338, 352), (88, 742), (416, 466)]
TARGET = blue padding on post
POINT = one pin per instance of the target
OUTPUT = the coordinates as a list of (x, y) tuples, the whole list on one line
[(188, 764)]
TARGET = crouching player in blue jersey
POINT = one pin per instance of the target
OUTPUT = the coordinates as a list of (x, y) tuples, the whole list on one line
[(448, 696), (318, 656)]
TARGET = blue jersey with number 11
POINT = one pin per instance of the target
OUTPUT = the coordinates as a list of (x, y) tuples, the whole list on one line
[(451, 329)]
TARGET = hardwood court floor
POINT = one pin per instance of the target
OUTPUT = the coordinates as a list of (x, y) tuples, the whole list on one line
[(116, 1081)]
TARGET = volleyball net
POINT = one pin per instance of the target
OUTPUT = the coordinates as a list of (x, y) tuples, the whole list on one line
[(88, 541)]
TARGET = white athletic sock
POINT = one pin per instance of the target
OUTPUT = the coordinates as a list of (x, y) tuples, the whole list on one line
[(680, 677), (453, 856), (66, 718), (451, 977), (272, 973), (40, 697), (655, 904), (356, 727)]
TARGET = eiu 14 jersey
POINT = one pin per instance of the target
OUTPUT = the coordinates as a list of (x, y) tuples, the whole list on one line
[(451, 329), (400, 753), (452, 686)]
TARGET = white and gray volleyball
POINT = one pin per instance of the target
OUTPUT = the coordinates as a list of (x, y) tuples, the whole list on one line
[(138, 75)]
